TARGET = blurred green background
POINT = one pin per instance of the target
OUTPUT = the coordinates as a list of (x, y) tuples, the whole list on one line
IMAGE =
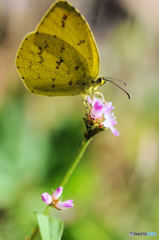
[(116, 186)]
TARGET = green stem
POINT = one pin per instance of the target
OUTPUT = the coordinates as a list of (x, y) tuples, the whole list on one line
[(34, 233), (65, 179), (75, 162)]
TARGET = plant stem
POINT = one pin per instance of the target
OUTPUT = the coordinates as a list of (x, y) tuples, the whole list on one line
[(65, 179), (34, 233), (75, 162)]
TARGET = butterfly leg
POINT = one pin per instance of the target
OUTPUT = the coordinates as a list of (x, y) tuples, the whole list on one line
[(99, 95)]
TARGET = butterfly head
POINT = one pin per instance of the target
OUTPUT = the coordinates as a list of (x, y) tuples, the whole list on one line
[(100, 81)]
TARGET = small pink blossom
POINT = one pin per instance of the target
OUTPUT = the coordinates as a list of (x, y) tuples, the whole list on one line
[(54, 199), (63, 205), (46, 197), (57, 193), (108, 107), (100, 114), (110, 122), (97, 108)]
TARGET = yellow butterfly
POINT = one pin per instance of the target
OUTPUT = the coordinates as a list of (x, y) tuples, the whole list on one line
[(60, 57)]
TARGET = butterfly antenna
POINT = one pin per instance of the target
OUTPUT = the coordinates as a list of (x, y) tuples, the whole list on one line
[(116, 79), (109, 80)]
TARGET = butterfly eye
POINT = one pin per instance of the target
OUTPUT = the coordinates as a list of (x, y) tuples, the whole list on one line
[(99, 80)]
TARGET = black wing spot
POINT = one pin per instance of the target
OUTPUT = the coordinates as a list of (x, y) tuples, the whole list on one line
[(80, 42), (63, 23), (93, 81), (63, 20), (53, 85), (77, 67), (64, 17), (40, 50), (17, 67), (62, 49), (37, 33), (32, 91), (46, 44), (40, 55), (53, 79), (59, 62), (22, 77), (54, 36), (17, 56), (70, 83), (26, 39), (84, 84)]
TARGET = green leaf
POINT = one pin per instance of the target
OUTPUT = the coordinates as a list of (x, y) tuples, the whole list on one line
[(50, 228)]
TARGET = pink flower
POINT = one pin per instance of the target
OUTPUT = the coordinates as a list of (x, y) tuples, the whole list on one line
[(100, 115), (46, 197), (57, 193), (108, 107), (97, 108), (62, 205), (110, 122), (54, 199)]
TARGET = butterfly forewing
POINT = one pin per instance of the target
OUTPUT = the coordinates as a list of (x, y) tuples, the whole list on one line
[(67, 23)]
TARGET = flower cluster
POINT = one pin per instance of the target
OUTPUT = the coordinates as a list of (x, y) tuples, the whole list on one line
[(54, 199), (99, 116)]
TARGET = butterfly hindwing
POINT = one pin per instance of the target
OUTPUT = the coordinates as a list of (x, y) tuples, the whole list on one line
[(46, 70)]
